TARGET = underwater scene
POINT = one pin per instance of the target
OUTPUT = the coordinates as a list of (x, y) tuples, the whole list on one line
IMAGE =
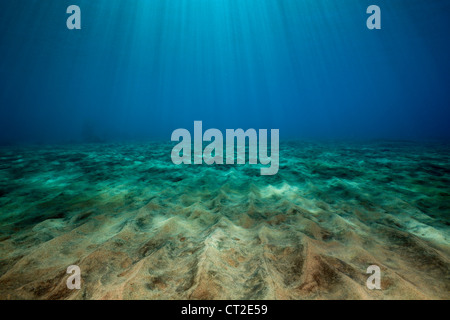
[(111, 189), (144, 229)]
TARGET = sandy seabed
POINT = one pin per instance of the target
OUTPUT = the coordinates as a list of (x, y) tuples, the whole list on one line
[(140, 227)]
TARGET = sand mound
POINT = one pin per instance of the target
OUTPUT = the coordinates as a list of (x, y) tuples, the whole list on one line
[(142, 228)]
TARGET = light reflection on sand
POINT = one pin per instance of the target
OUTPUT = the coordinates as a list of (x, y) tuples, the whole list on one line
[(140, 227)]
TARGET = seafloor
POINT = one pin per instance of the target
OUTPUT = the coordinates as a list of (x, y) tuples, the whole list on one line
[(140, 227)]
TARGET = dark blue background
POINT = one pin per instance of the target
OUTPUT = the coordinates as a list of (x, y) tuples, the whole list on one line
[(139, 69)]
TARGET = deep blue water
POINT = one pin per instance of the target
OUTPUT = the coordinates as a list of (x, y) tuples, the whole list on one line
[(142, 68), (141, 227)]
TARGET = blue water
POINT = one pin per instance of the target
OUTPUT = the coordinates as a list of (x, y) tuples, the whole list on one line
[(140, 69), (82, 181)]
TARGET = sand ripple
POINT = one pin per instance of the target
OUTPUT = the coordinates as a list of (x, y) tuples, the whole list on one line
[(142, 228)]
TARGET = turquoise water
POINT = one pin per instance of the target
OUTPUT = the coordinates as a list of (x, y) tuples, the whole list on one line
[(86, 177), (140, 227)]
